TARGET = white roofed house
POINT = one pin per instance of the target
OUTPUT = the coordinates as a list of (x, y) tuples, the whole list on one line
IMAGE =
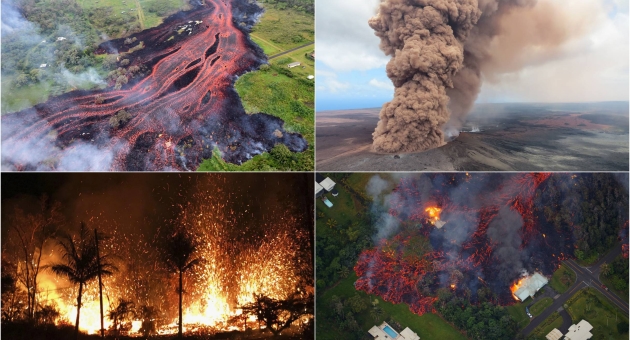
[(386, 332), (581, 331), (530, 285), (294, 64)]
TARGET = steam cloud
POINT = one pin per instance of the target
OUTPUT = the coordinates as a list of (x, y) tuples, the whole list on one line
[(441, 48)]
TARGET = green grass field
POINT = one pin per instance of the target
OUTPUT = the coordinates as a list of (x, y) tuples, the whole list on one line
[(343, 211), (281, 30), (428, 326), (562, 279), (553, 321), (592, 306), (139, 8), (517, 312), (540, 306)]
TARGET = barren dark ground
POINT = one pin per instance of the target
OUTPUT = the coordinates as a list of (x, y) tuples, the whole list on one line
[(510, 137)]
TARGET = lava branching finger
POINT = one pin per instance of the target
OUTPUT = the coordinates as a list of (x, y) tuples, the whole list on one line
[(155, 120), (461, 232)]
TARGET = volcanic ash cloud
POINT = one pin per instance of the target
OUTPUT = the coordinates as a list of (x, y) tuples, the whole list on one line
[(426, 42)]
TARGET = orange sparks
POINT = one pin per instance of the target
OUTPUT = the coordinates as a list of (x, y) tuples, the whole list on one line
[(434, 213), (453, 286)]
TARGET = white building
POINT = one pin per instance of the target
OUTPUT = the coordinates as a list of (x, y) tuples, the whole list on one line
[(530, 285), (581, 331), (555, 334), (385, 331), (292, 65)]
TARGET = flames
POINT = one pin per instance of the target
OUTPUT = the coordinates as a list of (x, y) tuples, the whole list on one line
[(515, 286), (434, 213)]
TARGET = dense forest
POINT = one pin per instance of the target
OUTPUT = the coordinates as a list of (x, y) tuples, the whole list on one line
[(480, 321), (593, 207)]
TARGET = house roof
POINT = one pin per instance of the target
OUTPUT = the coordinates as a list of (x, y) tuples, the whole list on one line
[(318, 188), (328, 184), (319, 178), (581, 331), (408, 334), (555, 334), (530, 286)]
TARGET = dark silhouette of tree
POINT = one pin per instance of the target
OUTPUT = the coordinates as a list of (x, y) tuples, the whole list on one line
[(179, 256), (81, 263), (13, 297), (148, 315), (278, 315), (121, 316), (28, 233)]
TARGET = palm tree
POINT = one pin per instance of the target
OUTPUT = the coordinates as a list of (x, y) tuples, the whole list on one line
[(179, 255), (605, 267), (81, 264)]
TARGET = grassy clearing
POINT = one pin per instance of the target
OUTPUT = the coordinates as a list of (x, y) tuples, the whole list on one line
[(562, 279), (150, 12), (284, 29), (16, 99), (540, 306), (553, 321), (343, 211), (608, 321), (517, 312), (428, 326)]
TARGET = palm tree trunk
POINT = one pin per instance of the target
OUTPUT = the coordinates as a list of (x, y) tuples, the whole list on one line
[(100, 283), (76, 326), (180, 303)]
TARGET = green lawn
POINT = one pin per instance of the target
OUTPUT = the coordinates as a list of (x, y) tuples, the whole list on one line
[(540, 306), (562, 279), (517, 312), (16, 99), (343, 211), (283, 29), (553, 321), (592, 306), (428, 326)]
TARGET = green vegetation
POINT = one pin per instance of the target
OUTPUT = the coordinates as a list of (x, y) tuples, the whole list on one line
[(540, 306), (283, 30), (615, 276), (517, 312), (343, 231), (592, 207), (562, 279), (553, 321), (480, 321), (608, 321), (279, 159), (345, 313), (64, 38)]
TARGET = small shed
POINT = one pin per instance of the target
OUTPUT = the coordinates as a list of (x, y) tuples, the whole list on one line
[(295, 64)]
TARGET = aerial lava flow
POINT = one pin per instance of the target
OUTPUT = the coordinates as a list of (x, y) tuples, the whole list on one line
[(491, 234), (183, 108)]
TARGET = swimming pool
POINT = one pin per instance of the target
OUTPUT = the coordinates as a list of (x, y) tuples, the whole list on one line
[(390, 332)]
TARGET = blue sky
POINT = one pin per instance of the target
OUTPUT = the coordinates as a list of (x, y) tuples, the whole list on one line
[(591, 65)]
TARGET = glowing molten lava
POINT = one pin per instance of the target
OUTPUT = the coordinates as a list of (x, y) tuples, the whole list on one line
[(434, 213), (181, 107)]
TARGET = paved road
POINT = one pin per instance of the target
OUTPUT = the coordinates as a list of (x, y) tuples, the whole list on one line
[(291, 50), (585, 277)]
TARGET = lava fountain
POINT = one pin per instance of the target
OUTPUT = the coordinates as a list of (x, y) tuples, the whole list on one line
[(181, 109)]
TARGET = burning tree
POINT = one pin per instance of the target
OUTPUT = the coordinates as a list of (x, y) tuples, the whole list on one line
[(278, 315), (179, 256), (82, 263), (29, 233), (121, 316)]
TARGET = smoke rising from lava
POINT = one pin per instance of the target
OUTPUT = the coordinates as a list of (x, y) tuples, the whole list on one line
[(442, 49)]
